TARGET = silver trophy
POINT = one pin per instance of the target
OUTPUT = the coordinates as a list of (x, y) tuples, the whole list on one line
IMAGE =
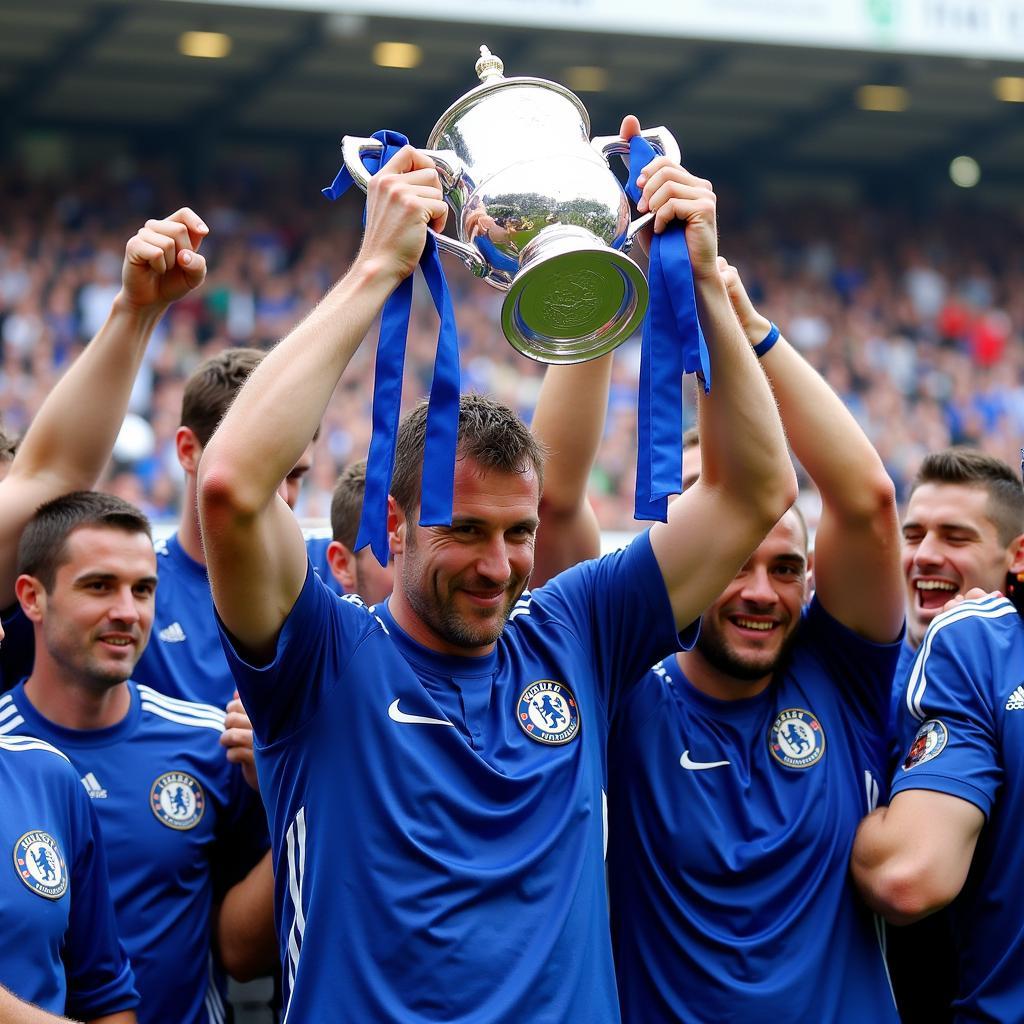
[(538, 212)]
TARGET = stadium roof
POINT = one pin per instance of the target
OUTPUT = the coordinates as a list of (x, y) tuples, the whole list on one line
[(304, 78)]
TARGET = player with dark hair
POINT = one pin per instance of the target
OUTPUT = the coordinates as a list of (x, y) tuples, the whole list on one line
[(951, 833), (739, 769), (963, 528), (176, 817), (185, 659), (61, 949), (438, 843)]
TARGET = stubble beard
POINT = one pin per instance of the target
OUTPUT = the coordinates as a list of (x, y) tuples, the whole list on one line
[(723, 657)]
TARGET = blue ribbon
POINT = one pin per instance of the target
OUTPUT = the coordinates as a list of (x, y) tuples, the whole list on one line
[(672, 344), (443, 406)]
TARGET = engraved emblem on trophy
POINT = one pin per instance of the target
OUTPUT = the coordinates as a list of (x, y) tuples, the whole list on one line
[(538, 212)]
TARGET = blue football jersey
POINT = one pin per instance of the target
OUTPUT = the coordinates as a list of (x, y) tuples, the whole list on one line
[(184, 657), (731, 824), (899, 687), (962, 722), (60, 944), (437, 821), (173, 810)]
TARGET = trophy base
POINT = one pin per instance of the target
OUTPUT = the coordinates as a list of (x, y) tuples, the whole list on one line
[(573, 299)]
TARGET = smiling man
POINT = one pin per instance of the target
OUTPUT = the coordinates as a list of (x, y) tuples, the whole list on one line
[(739, 770), (175, 815), (963, 528), (434, 768)]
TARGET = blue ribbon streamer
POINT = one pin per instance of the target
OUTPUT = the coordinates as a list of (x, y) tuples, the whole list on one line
[(443, 405), (672, 344)]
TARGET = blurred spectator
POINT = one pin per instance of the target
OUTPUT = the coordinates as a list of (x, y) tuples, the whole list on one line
[(917, 322)]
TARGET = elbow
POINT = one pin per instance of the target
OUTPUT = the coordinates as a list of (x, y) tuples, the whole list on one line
[(225, 494), (875, 500), (238, 963), (905, 893)]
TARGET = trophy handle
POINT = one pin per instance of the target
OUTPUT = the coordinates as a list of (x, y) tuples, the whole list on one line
[(449, 170), (611, 145)]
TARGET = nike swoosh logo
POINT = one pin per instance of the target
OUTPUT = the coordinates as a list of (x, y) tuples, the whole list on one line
[(400, 716), (696, 766)]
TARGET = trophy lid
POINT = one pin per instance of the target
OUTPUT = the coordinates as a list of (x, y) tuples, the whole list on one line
[(490, 69)]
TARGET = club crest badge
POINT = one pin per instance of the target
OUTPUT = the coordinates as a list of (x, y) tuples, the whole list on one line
[(796, 739), (929, 742), (547, 712), (40, 865), (177, 800)]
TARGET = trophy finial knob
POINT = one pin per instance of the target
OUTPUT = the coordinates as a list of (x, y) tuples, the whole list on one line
[(489, 67)]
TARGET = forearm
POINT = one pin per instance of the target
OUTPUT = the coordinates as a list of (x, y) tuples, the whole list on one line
[(246, 940), (276, 414), (73, 433), (825, 437), (569, 422), (743, 448), (14, 1011)]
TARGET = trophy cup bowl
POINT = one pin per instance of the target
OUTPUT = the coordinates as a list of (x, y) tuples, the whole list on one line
[(538, 212)]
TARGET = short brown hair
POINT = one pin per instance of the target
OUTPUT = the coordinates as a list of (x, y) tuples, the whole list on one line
[(212, 388), (347, 503), (970, 467), (42, 549), (490, 434)]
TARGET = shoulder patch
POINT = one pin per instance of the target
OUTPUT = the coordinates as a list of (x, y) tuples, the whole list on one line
[(796, 738), (929, 742), (40, 864), (547, 712)]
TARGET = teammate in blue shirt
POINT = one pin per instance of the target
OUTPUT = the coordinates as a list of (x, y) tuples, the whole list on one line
[(963, 529), (951, 834), (60, 943), (185, 658), (176, 817), (434, 778), (740, 769), (66, 448)]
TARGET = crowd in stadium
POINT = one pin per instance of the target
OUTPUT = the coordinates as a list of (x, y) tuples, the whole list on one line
[(914, 321), (502, 779)]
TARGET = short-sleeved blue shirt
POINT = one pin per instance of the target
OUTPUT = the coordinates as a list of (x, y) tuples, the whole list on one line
[(437, 821), (174, 814), (962, 725), (731, 824), (59, 937)]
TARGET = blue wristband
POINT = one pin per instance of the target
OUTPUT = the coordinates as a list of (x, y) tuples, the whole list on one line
[(770, 338)]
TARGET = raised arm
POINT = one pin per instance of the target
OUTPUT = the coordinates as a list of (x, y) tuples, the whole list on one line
[(857, 548), (254, 548), (747, 481), (569, 422), (73, 433)]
